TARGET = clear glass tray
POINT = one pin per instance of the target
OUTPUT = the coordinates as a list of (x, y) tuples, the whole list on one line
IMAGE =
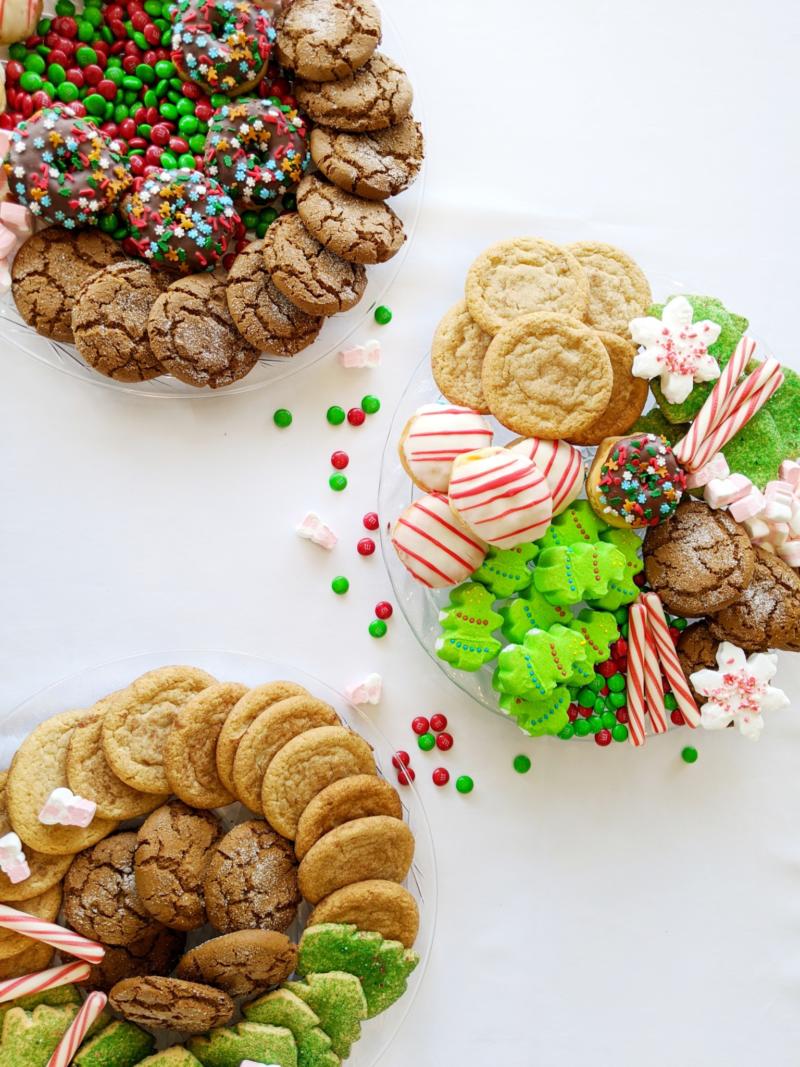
[(84, 688), (269, 369)]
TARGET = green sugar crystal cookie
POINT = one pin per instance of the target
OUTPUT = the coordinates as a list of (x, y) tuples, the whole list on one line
[(571, 573), (339, 1001), (228, 1046), (120, 1044), (505, 570), (467, 624), (784, 407), (544, 660), (732, 330), (30, 1038), (757, 449), (54, 998), (531, 611), (655, 421), (623, 590), (543, 715), (598, 629), (577, 524), (177, 1056), (284, 1008), (382, 966)]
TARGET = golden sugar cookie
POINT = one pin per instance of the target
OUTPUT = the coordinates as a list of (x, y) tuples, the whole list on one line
[(138, 722), (547, 376), (349, 798), (46, 871), (618, 289), (46, 906), (628, 394), (36, 958), (521, 276), (358, 851), (457, 354), (385, 907), (275, 726), (305, 766)]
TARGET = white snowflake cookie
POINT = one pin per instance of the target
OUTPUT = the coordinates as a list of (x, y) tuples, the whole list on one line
[(739, 692), (676, 349)]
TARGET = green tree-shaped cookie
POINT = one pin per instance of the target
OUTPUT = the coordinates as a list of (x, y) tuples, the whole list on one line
[(381, 966), (30, 1038), (544, 715), (784, 407), (284, 1008), (623, 590), (245, 1041), (599, 629), (506, 570), (571, 573), (339, 1001), (530, 611), (467, 624), (577, 524), (544, 660), (54, 998), (177, 1056), (120, 1044)]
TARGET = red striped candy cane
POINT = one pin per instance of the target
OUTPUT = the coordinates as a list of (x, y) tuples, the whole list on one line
[(669, 659), (37, 983), (50, 934), (637, 704), (71, 1041), (653, 686)]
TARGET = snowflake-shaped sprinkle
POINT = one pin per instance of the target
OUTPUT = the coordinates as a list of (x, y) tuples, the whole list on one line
[(676, 349), (739, 691)]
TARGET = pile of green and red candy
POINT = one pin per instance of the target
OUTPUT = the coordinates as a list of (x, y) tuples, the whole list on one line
[(560, 662), (111, 62)]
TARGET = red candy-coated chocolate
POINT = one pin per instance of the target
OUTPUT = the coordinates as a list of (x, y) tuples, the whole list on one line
[(371, 520), (406, 776), (420, 725), (401, 759), (444, 742), (619, 648), (606, 669), (355, 416), (622, 715), (339, 460), (438, 722), (602, 738), (384, 610), (441, 776), (677, 718), (572, 712), (366, 546)]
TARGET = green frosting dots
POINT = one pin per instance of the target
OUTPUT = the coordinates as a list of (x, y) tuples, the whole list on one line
[(120, 1044), (467, 625), (228, 1046), (623, 590), (540, 715), (543, 661), (505, 571), (338, 1000), (284, 1008), (568, 574)]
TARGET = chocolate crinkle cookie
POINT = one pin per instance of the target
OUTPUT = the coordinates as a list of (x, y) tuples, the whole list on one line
[(360, 231), (156, 952), (170, 1004), (327, 40), (373, 165), (767, 614), (378, 95)]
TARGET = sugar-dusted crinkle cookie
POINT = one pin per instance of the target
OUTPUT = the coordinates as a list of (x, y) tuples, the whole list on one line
[(327, 40), (374, 165), (376, 96)]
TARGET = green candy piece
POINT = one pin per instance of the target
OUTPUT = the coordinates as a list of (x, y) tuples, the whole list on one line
[(177, 1056), (228, 1046), (505, 570), (571, 573), (544, 715), (530, 611), (120, 1044), (599, 630), (655, 421), (382, 966), (284, 1008), (30, 1038), (757, 449), (784, 407), (467, 625), (53, 998), (624, 590), (339, 1001), (577, 524), (544, 660), (733, 328)]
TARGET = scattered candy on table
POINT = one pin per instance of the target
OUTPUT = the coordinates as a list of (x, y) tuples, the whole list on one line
[(312, 528), (370, 404), (522, 764), (384, 610), (361, 356), (383, 315), (338, 482), (464, 784), (420, 725), (426, 742), (368, 691), (689, 754), (378, 628), (282, 418), (444, 742), (371, 521), (441, 776), (340, 460), (366, 547), (335, 415), (356, 417), (438, 722), (340, 585)]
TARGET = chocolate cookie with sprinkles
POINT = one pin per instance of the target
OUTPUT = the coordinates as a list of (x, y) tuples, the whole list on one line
[(222, 45)]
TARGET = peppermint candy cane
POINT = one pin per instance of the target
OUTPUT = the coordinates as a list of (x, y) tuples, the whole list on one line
[(716, 406), (71, 1041), (38, 983), (653, 686), (669, 659), (50, 934), (637, 647)]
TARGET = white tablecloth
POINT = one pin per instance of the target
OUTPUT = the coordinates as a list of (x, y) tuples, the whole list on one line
[(609, 908)]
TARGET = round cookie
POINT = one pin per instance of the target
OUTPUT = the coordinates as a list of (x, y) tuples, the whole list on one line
[(39, 767), (251, 882), (523, 276), (173, 850), (618, 288), (767, 614), (100, 897), (327, 40), (139, 720), (432, 544), (109, 321), (245, 712), (699, 561), (360, 231), (46, 906), (243, 963), (263, 315), (48, 271), (635, 482), (312, 278), (33, 959), (169, 1004), (373, 165), (546, 375), (377, 96), (194, 336), (355, 797), (221, 46), (628, 394), (383, 907), (190, 753), (457, 354), (46, 871), (433, 439), (377, 847), (272, 729), (155, 952), (697, 650), (89, 774), (305, 766)]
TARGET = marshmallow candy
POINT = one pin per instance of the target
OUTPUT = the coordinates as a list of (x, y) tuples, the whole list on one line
[(65, 808)]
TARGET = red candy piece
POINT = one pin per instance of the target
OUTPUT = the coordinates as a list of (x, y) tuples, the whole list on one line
[(606, 669), (619, 648), (622, 715), (355, 416), (384, 610), (444, 742), (438, 722), (401, 759), (406, 776), (340, 460), (677, 718), (366, 546), (420, 725), (441, 776), (602, 738), (572, 712), (371, 520)]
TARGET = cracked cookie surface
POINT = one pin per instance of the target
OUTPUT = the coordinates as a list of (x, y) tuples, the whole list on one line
[(375, 904), (194, 337), (375, 847), (46, 871), (360, 231), (242, 963), (173, 850), (767, 614), (171, 1004), (308, 274), (327, 40), (251, 882), (377, 96), (618, 289), (109, 321), (628, 394), (48, 272), (263, 315), (457, 353), (350, 798), (373, 165), (155, 952)]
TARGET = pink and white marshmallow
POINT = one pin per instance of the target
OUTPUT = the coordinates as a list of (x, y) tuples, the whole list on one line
[(361, 356), (65, 808), (312, 528), (368, 691), (13, 862)]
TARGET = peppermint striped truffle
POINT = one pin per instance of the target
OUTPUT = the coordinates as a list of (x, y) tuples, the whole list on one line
[(433, 546), (434, 436), (561, 464)]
